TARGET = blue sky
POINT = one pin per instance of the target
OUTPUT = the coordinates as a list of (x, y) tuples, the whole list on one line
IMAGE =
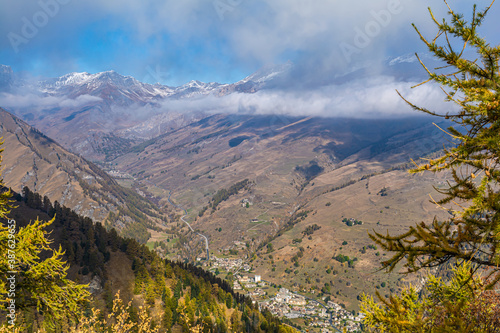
[(213, 40)]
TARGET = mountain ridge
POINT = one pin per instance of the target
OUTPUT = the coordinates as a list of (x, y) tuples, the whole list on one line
[(32, 159), (80, 80), (87, 111)]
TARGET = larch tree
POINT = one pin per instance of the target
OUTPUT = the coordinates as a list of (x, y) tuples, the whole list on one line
[(34, 288), (470, 238)]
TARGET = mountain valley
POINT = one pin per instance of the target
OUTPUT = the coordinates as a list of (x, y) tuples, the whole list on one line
[(282, 193), (298, 173)]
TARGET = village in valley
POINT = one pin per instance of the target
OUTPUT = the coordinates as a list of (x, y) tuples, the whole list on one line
[(309, 314)]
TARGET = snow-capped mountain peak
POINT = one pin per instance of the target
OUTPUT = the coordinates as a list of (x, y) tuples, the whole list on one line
[(125, 90), (78, 79), (72, 79)]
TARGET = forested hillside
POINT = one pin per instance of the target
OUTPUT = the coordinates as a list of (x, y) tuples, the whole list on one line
[(179, 297)]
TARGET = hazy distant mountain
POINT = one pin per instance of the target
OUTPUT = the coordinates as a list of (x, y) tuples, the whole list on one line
[(92, 113), (34, 160), (97, 114), (267, 77), (117, 89), (112, 87)]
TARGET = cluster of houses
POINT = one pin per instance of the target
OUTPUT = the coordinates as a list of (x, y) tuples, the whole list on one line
[(249, 283), (288, 304), (229, 264), (342, 317), (118, 174), (292, 306)]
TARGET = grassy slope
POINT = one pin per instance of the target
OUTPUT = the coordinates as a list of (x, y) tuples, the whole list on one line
[(195, 163), (31, 159)]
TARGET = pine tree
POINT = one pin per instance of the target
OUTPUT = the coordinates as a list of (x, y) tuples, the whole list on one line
[(167, 319), (461, 305), (471, 237), (473, 233)]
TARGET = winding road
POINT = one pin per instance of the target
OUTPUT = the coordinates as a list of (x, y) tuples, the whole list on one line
[(182, 217), (189, 225)]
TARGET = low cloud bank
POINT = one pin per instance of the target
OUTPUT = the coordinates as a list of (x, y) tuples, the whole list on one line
[(372, 98), (30, 100), (368, 98)]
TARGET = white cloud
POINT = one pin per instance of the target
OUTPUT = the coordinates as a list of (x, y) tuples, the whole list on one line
[(79, 101), (372, 98), (30, 100), (368, 98)]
